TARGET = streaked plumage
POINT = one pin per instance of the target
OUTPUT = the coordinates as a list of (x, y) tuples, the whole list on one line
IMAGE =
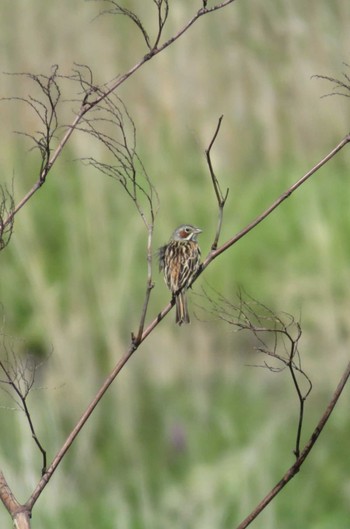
[(180, 260)]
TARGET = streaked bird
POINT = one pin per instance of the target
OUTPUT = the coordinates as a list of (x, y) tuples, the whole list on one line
[(180, 260)]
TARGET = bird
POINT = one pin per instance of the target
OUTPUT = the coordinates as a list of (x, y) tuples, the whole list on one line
[(179, 260)]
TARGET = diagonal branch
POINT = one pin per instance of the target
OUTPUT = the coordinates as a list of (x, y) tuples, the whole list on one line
[(294, 469), (83, 419)]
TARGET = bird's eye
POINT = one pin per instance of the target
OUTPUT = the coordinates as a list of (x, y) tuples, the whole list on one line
[(187, 230)]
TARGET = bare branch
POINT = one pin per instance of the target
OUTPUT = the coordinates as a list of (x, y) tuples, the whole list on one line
[(221, 199), (45, 108), (72, 436), (338, 84), (127, 169), (150, 285), (117, 9), (17, 376), (261, 322), (294, 469), (126, 166), (163, 12), (154, 51), (276, 336), (7, 205)]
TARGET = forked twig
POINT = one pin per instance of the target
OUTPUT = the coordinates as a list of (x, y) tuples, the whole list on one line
[(19, 376), (77, 428), (221, 199)]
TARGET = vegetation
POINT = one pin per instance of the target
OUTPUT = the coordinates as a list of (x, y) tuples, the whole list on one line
[(189, 435)]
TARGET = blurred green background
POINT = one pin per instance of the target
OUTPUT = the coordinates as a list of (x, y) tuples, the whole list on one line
[(189, 435)]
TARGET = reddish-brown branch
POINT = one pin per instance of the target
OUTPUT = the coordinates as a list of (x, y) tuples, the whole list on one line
[(294, 469), (6, 495), (69, 441), (19, 513)]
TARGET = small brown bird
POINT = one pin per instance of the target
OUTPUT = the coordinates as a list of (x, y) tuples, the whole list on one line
[(180, 260)]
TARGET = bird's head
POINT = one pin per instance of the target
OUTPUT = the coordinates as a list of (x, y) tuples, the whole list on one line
[(186, 232)]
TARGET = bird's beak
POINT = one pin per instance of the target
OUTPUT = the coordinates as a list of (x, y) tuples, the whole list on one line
[(197, 231)]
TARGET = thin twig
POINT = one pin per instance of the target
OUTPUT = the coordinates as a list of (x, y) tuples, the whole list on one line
[(127, 169), (163, 12), (341, 84), (221, 199), (20, 377), (45, 171), (6, 207), (150, 285)]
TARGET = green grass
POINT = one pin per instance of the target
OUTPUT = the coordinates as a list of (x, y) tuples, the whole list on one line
[(189, 436)]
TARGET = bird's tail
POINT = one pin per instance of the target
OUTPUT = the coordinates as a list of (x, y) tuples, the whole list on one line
[(181, 308)]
